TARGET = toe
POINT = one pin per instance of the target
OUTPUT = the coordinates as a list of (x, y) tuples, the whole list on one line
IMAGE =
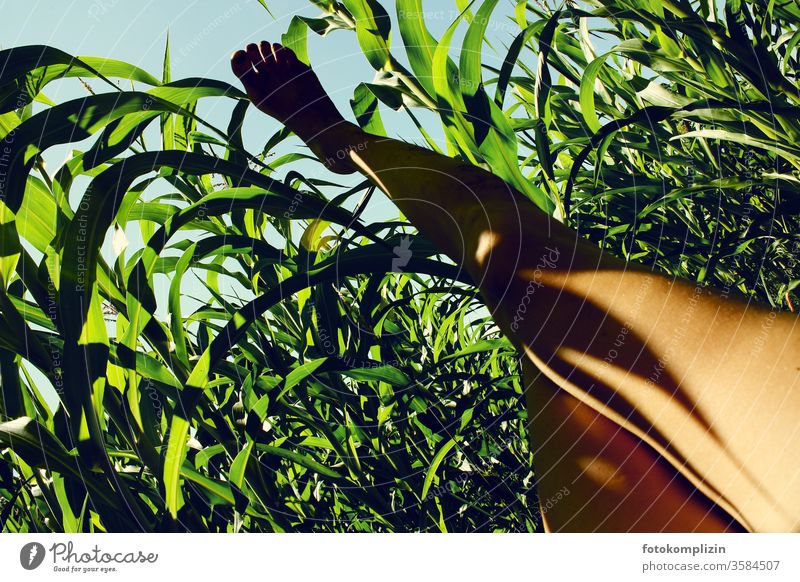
[(269, 54), (255, 56), (241, 65), (279, 52)]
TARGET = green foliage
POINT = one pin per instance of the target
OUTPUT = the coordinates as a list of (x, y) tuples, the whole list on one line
[(321, 388), (317, 389)]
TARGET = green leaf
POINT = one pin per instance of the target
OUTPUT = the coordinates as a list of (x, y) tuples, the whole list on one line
[(587, 92), (365, 107), (373, 29), (388, 374), (302, 460), (296, 38), (239, 465), (430, 474), (37, 216), (302, 372), (419, 43), (219, 492)]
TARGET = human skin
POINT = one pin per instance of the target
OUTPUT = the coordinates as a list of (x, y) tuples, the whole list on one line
[(658, 405)]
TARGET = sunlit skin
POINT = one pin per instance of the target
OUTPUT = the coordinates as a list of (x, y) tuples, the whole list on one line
[(658, 405)]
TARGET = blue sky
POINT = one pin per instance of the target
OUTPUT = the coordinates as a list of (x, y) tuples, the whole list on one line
[(203, 34)]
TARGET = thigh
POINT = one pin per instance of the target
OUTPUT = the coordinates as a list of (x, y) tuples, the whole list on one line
[(709, 383), (593, 475)]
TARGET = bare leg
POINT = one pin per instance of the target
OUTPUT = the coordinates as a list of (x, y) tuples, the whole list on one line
[(662, 407)]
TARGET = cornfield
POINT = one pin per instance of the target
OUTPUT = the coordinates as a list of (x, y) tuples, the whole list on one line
[(340, 374)]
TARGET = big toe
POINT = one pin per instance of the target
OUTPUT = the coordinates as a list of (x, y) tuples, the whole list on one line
[(241, 65)]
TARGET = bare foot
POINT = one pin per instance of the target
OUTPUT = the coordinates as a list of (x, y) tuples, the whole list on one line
[(288, 90)]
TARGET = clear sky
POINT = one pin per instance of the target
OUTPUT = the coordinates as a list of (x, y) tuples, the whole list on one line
[(203, 34)]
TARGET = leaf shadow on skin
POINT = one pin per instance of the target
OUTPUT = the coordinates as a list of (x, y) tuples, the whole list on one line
[(560, 337)]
